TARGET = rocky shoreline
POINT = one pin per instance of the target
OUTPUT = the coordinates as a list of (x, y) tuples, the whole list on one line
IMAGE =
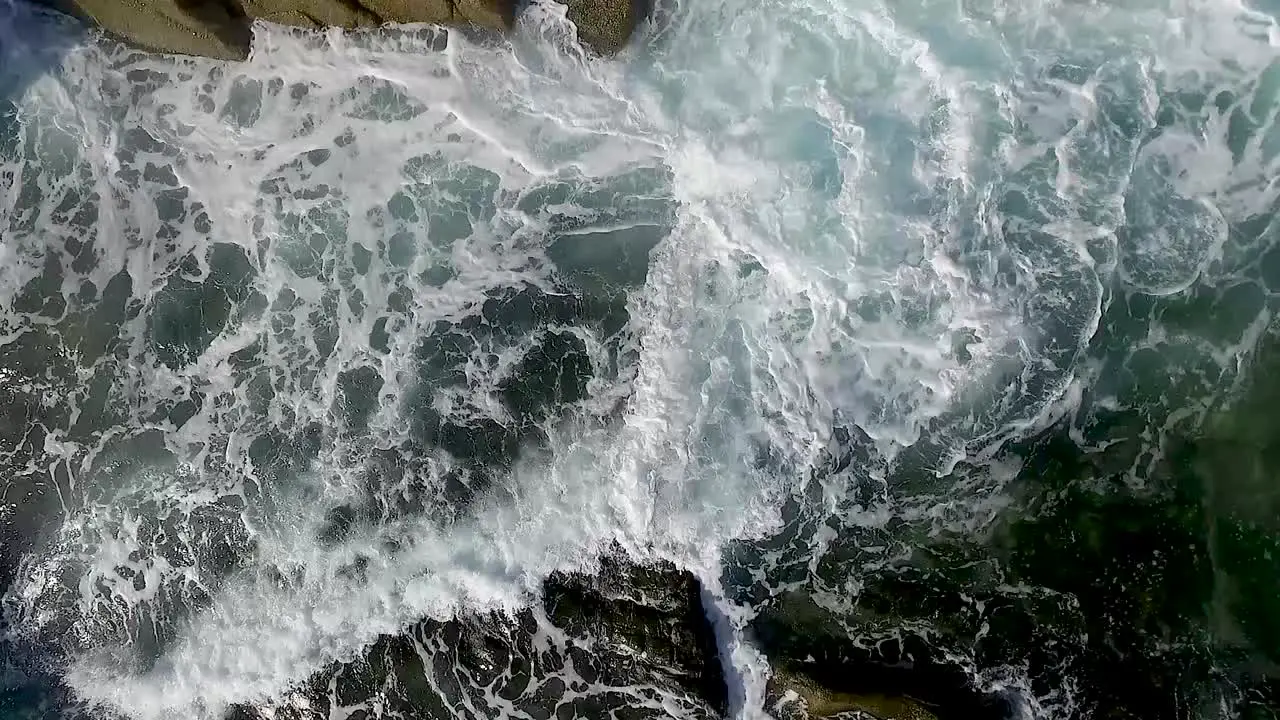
[(222, 29), (629, 641)]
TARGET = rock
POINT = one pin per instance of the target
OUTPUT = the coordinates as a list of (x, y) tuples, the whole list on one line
[(313, 13), (212, 28), (493, 14), (222, 28), (643, 621), (606, 26), (800, 698), (820, 671), (631, 642)]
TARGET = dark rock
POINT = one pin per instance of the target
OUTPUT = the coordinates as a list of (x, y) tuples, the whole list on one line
[(629, 642), (821, 670), (646, 618)]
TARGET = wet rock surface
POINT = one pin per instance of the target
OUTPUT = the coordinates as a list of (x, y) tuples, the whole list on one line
[(630, 642), (827, 666), (653, 609)]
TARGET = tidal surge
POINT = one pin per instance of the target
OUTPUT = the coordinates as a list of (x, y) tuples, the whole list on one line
[(827, 307)]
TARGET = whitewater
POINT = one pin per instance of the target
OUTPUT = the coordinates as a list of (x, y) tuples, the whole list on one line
[(280, 311)]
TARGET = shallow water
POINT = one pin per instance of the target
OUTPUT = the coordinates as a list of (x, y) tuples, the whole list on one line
[(377, 327)]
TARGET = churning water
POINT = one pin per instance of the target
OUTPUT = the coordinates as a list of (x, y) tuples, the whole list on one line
[(382, 326)]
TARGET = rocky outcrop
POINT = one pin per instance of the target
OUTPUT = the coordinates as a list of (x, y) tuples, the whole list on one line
[(493, 14), (643, 621), (221, 28), (799, 697), (630, 641), (213, 28), (821, 671), (607, 26)]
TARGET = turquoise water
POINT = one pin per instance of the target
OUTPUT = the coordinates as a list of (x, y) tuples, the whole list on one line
[(944, 318)]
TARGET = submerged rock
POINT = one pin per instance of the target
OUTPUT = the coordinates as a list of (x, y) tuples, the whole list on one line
[(822, 671), (222, 28)]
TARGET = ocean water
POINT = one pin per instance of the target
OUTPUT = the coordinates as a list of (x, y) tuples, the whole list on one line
[(377, 327)]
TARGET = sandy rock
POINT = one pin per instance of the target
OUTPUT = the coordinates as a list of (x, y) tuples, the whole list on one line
[(800, 698), (222, 28), (212, 28), (311, 13), (493, 14)]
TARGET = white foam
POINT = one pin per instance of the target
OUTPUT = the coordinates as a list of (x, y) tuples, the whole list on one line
[(840, 254)]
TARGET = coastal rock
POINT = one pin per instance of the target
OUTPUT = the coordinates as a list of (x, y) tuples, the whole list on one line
[(493, 14), (630, 641), (645, 622), (821, 671), (222, 28), (798, 697), (605, 27), (213, 28)]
